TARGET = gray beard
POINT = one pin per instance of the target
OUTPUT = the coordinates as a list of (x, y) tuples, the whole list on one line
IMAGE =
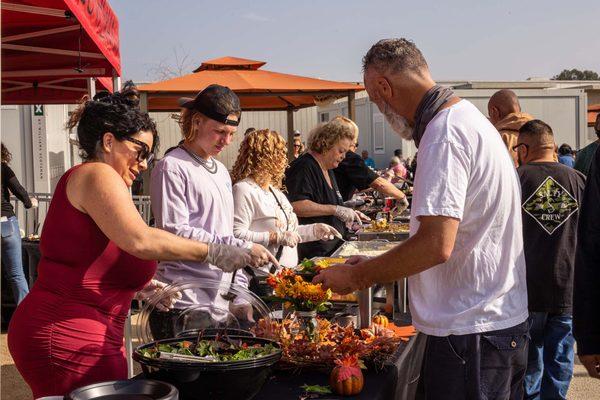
[(398, 123)]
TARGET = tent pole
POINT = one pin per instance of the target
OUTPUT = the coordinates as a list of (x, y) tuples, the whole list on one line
[(351, 106), (144, 101), (290, 136), (116, 83), (91, 87)]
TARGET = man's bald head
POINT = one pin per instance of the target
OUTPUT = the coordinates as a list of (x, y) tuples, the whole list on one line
[(536, 142), (502, 103)]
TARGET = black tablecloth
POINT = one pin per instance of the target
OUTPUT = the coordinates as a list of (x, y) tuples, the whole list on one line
[(397, 382)]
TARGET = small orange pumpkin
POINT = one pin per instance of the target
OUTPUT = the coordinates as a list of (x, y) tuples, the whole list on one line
[(347, 379), (381, 320)]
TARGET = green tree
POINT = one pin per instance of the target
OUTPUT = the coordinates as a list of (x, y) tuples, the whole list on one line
[(576, 75)]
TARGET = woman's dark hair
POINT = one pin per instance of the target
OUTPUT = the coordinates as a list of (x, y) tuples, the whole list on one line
[(116, 113), (565, 150), (6, 155)]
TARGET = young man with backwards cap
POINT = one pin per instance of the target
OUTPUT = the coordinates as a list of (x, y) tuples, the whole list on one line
[(192, 197)]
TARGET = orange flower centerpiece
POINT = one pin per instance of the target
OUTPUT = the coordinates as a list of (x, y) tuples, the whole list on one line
[(305, 298)]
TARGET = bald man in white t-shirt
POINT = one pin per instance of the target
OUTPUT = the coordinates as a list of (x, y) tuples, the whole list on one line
[(464, 257)]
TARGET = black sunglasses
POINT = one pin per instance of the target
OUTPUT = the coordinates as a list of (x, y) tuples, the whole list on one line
[(515, 147), (144, 153)]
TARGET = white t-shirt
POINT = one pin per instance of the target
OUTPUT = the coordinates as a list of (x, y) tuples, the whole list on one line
[(465, 172)]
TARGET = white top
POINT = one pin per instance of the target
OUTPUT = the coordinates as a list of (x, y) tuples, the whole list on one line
[(189, 201), (465, 172), (257, 213)]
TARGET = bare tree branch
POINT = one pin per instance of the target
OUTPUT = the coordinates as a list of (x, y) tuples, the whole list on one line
[(168, 68)]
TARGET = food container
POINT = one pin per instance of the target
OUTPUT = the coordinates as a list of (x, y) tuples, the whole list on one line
[(224, 371), (370, 248), (141, 389)]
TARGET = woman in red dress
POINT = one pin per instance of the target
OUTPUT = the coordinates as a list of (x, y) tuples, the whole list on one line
[(97, 252)]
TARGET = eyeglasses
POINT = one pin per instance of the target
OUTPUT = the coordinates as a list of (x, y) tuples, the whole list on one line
[(144, 153), (515, 147)]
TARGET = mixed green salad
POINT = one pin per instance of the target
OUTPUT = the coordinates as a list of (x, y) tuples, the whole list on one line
[(210, 350)]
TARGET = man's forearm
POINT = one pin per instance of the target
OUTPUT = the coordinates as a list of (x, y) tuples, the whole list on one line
[(408, 258), (308, 208), (387, 188)]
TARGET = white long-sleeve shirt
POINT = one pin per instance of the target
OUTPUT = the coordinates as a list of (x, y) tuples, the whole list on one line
[(190, 202), (257, 213)]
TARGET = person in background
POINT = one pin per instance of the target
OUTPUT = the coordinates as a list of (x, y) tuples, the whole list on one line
[(262, 212), (464, 257), (369, 162), (353, 174), (396, 173), (551, 195), (298, 145), (312, 185), (192, 197), (505, 114), (583, 161), (565, 155), (12, 257), (248, 131), (96, 253), (586, 298)]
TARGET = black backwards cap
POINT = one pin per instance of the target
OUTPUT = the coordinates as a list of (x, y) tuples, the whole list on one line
[(216, 102)]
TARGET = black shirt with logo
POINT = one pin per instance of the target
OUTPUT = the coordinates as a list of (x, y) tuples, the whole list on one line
[(551, 196), (353, 174), (304, 180)]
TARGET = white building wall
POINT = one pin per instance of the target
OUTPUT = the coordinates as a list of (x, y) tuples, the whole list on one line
[(563, 109)]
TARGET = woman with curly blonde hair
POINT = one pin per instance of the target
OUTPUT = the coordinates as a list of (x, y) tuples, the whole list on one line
[(262, 212)]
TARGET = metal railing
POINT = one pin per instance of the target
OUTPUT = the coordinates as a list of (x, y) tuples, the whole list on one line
[(31, 220)]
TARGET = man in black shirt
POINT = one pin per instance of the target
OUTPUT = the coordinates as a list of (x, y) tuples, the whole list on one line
[(353, 175), (586, 296), (551, 194)]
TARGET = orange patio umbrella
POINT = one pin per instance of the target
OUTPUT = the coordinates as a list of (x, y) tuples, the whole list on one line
[(258, 89)]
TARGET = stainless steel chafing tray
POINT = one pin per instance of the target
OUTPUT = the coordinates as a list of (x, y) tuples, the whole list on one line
[(371, 248)]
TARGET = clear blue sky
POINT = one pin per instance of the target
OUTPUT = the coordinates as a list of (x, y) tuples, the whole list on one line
[(476, 40)]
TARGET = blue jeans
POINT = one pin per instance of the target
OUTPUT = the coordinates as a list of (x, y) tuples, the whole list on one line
[(12, 259), (551, 356)]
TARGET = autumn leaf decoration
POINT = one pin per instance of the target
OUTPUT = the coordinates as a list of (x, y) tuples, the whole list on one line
[(348, 367)]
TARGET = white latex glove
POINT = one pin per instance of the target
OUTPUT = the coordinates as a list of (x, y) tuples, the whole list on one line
[(153, 287), (260, 256), (362, 216), (325, 232), (228, 258), (242, 311), (34, 202), (288, 238), (346, 214)]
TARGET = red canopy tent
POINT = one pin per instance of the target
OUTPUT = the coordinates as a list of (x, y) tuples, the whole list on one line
[(52, 48)]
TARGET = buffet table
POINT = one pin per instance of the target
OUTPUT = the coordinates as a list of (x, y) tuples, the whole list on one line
[(398, 381)]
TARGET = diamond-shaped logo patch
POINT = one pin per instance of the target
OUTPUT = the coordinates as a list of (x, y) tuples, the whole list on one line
[(550, 205)]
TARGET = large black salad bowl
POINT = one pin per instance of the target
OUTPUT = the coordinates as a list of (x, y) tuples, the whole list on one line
[(235, 380)]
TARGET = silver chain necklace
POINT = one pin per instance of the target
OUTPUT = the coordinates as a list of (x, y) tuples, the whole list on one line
[(210, 165)]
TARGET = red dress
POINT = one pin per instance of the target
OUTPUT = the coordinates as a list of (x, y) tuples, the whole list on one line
[(68, 331)]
